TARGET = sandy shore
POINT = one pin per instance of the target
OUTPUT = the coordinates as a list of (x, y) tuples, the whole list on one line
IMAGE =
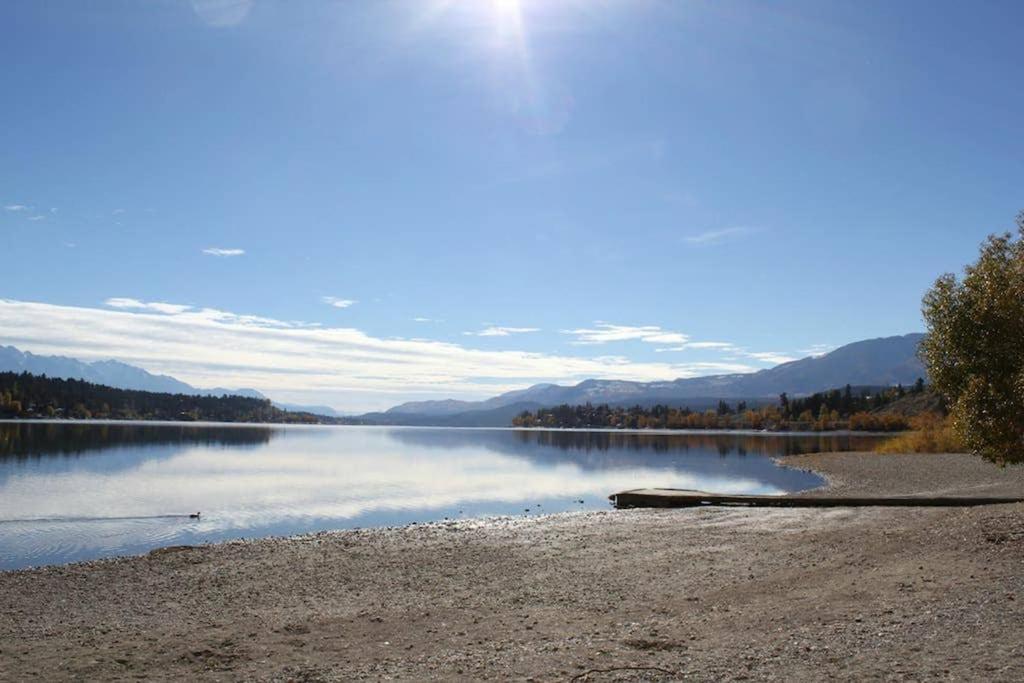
[(705, 594)]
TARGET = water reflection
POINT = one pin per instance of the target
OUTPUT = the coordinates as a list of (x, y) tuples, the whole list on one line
[(37, 439), (724, 443), (59, 446), (256, 481)]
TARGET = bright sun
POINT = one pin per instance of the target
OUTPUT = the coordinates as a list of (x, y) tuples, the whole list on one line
[(507, 16), (506, 7)]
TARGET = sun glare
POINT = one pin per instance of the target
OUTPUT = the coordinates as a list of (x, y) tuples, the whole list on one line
[(507, 23), (506, 9)]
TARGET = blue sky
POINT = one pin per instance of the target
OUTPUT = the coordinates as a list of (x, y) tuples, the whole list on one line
[(323, 198)]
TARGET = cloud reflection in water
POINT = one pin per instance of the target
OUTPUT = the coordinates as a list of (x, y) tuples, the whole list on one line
[(262, 481)]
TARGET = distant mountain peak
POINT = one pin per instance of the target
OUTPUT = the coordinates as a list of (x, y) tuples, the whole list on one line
[(111, 373), (870, 362)]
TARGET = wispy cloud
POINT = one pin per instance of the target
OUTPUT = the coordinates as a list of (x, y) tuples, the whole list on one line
[(774, 357), (218, 251), (818, 349), (603, 333), (712, 345), (16, 207), (211, 347), (117, 212), (499, 331), (37, 218), (135, 304), (222, 13), (338, 303), (770, 357), (717, 236), (197, 313)]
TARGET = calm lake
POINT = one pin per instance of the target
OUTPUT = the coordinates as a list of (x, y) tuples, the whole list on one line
[(78, 491)]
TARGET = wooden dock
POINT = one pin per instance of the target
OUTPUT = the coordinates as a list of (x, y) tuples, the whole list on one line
[(680, 498)]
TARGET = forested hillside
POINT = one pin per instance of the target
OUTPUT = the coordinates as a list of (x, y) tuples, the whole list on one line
[(32, 396)]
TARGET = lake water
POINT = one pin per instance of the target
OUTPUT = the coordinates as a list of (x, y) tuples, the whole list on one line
[(77, 491)]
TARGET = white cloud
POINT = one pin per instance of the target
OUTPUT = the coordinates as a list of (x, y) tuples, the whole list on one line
[(716, 236), (217, 251), (499, 331), (343, 367), (716, 346), (37, 218), (774, 357), (771, 357), (210, 314), (710, 345), (117, 212), (603, 333), (157, 306), (16, 207), (338, 303), (665, 338), (420, 319), (818, 349)]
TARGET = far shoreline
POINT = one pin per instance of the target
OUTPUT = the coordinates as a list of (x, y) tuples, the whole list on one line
[(601, 430)]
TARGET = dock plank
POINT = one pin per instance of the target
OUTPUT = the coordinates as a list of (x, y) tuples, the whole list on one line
[(687, 498)]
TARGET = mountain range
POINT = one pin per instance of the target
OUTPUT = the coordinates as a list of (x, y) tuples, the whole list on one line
[(120, 375), (874, 362)]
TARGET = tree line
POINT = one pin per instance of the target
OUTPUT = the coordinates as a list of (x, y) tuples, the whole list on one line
[(37, 396), (836, 409)]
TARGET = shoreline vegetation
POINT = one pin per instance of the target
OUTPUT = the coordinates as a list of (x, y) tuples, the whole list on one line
[(869, 409), (929, 433), (861, 409), (914, 414), (882, 593)]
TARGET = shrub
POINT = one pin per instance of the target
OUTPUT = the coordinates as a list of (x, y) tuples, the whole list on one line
[(878, 422), (932, 433)]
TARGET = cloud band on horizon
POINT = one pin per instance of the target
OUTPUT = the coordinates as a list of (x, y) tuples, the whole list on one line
[(210, 347)]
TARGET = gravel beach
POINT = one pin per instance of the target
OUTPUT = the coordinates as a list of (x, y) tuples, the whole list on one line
[(700, 594)]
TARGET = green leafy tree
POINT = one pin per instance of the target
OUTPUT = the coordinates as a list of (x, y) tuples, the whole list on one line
[(974, 350)]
